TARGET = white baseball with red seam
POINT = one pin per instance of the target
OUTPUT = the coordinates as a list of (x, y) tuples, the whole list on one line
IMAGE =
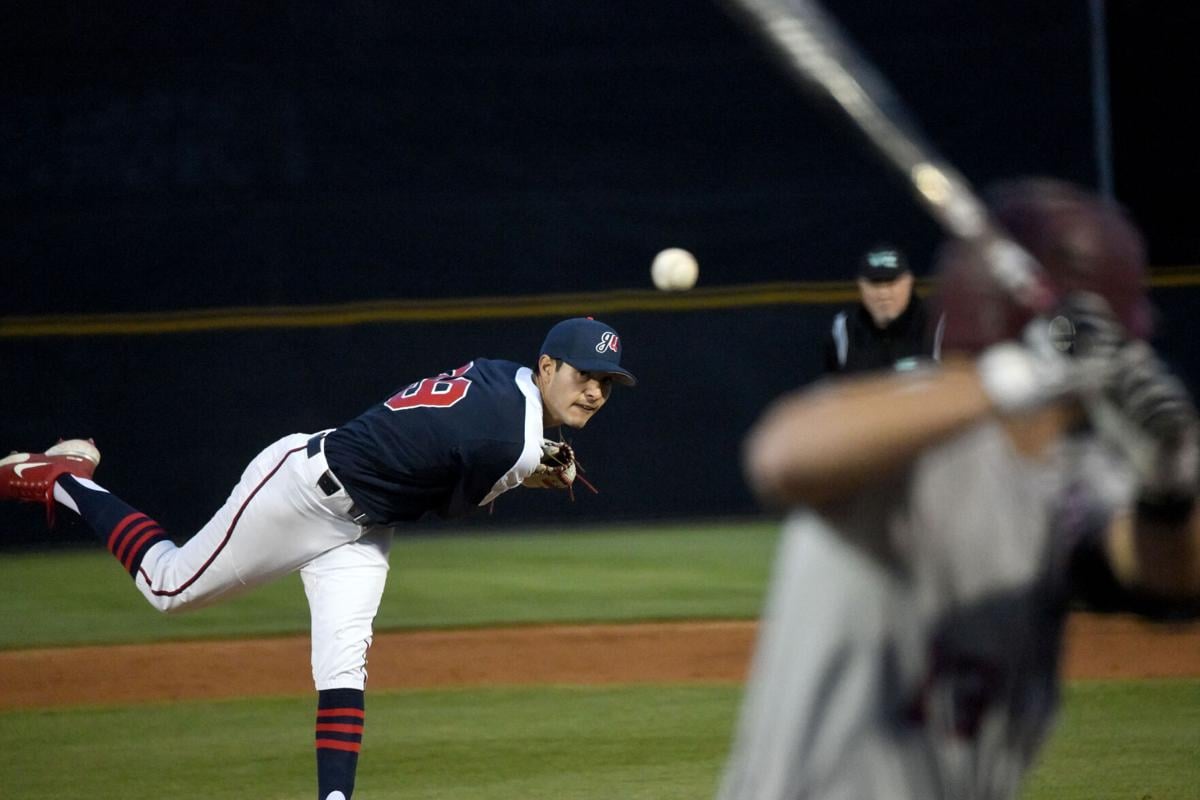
[(674, 270)]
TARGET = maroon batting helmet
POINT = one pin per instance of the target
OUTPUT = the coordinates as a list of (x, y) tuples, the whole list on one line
[(1083, 242)]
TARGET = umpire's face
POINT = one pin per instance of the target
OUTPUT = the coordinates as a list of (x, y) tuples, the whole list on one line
[(886, 300), (570, 397)]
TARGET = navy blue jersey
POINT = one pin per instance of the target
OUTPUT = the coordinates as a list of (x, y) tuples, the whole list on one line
[(445, 444)]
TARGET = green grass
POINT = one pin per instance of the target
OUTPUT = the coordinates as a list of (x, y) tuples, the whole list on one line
[(651, 743), (615, 574), (1124, 740), (1116, 741)]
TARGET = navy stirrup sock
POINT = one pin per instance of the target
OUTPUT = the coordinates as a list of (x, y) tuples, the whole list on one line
[(125, 531), (340, 714)]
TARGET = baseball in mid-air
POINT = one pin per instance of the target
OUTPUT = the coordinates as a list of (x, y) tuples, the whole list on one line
[(674, 270)]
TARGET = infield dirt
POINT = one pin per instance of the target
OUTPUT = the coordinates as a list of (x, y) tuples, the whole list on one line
[(1097, 647)]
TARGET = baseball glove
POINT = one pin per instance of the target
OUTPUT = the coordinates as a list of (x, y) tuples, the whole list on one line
[(557, 469)]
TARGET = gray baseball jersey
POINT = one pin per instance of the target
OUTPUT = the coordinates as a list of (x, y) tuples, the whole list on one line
[(909, 644)]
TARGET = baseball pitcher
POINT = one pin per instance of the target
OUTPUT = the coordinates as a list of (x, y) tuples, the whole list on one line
[(326, 504)]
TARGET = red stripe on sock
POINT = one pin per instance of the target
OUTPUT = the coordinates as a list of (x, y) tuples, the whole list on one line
[(334, 727), (153, 532), (341, 712), (116, 531), (122, 552), (334, 744)]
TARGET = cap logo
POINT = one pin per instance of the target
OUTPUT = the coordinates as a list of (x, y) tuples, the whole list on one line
[(885, 259), (608, 341)]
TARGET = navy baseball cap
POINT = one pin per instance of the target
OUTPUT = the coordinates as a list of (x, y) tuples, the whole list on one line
[(882, 264), (588, 345)]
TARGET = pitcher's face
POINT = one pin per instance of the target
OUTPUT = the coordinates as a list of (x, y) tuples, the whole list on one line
[(570, 397)]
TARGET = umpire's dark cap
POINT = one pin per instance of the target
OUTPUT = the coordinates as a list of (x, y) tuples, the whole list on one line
[(588, 345), (882, 264)]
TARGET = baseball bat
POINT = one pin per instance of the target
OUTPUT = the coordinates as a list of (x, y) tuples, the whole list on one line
[(818, 55), (822, 59)]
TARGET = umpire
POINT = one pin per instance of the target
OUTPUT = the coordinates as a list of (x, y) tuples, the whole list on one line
[(890, 327)]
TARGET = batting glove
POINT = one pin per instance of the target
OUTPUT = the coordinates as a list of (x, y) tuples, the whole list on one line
[(1161, 410), (1020, 376)]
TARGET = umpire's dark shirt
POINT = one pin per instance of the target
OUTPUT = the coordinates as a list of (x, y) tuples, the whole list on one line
[(910, 339)]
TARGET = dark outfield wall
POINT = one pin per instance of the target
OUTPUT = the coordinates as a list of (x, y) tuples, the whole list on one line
[(182, 156)]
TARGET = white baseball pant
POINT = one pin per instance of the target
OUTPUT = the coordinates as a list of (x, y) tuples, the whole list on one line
[(278, 520)]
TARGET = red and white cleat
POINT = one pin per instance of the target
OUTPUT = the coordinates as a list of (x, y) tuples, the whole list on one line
[(30, 477)]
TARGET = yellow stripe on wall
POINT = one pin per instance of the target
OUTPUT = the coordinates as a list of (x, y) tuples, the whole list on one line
[(464, 309), (425, 310)]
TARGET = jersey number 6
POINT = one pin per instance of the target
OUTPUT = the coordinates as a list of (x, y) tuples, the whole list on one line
[(441, 392)]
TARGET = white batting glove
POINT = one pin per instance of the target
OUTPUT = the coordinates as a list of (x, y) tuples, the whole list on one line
[(1021, 376)]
